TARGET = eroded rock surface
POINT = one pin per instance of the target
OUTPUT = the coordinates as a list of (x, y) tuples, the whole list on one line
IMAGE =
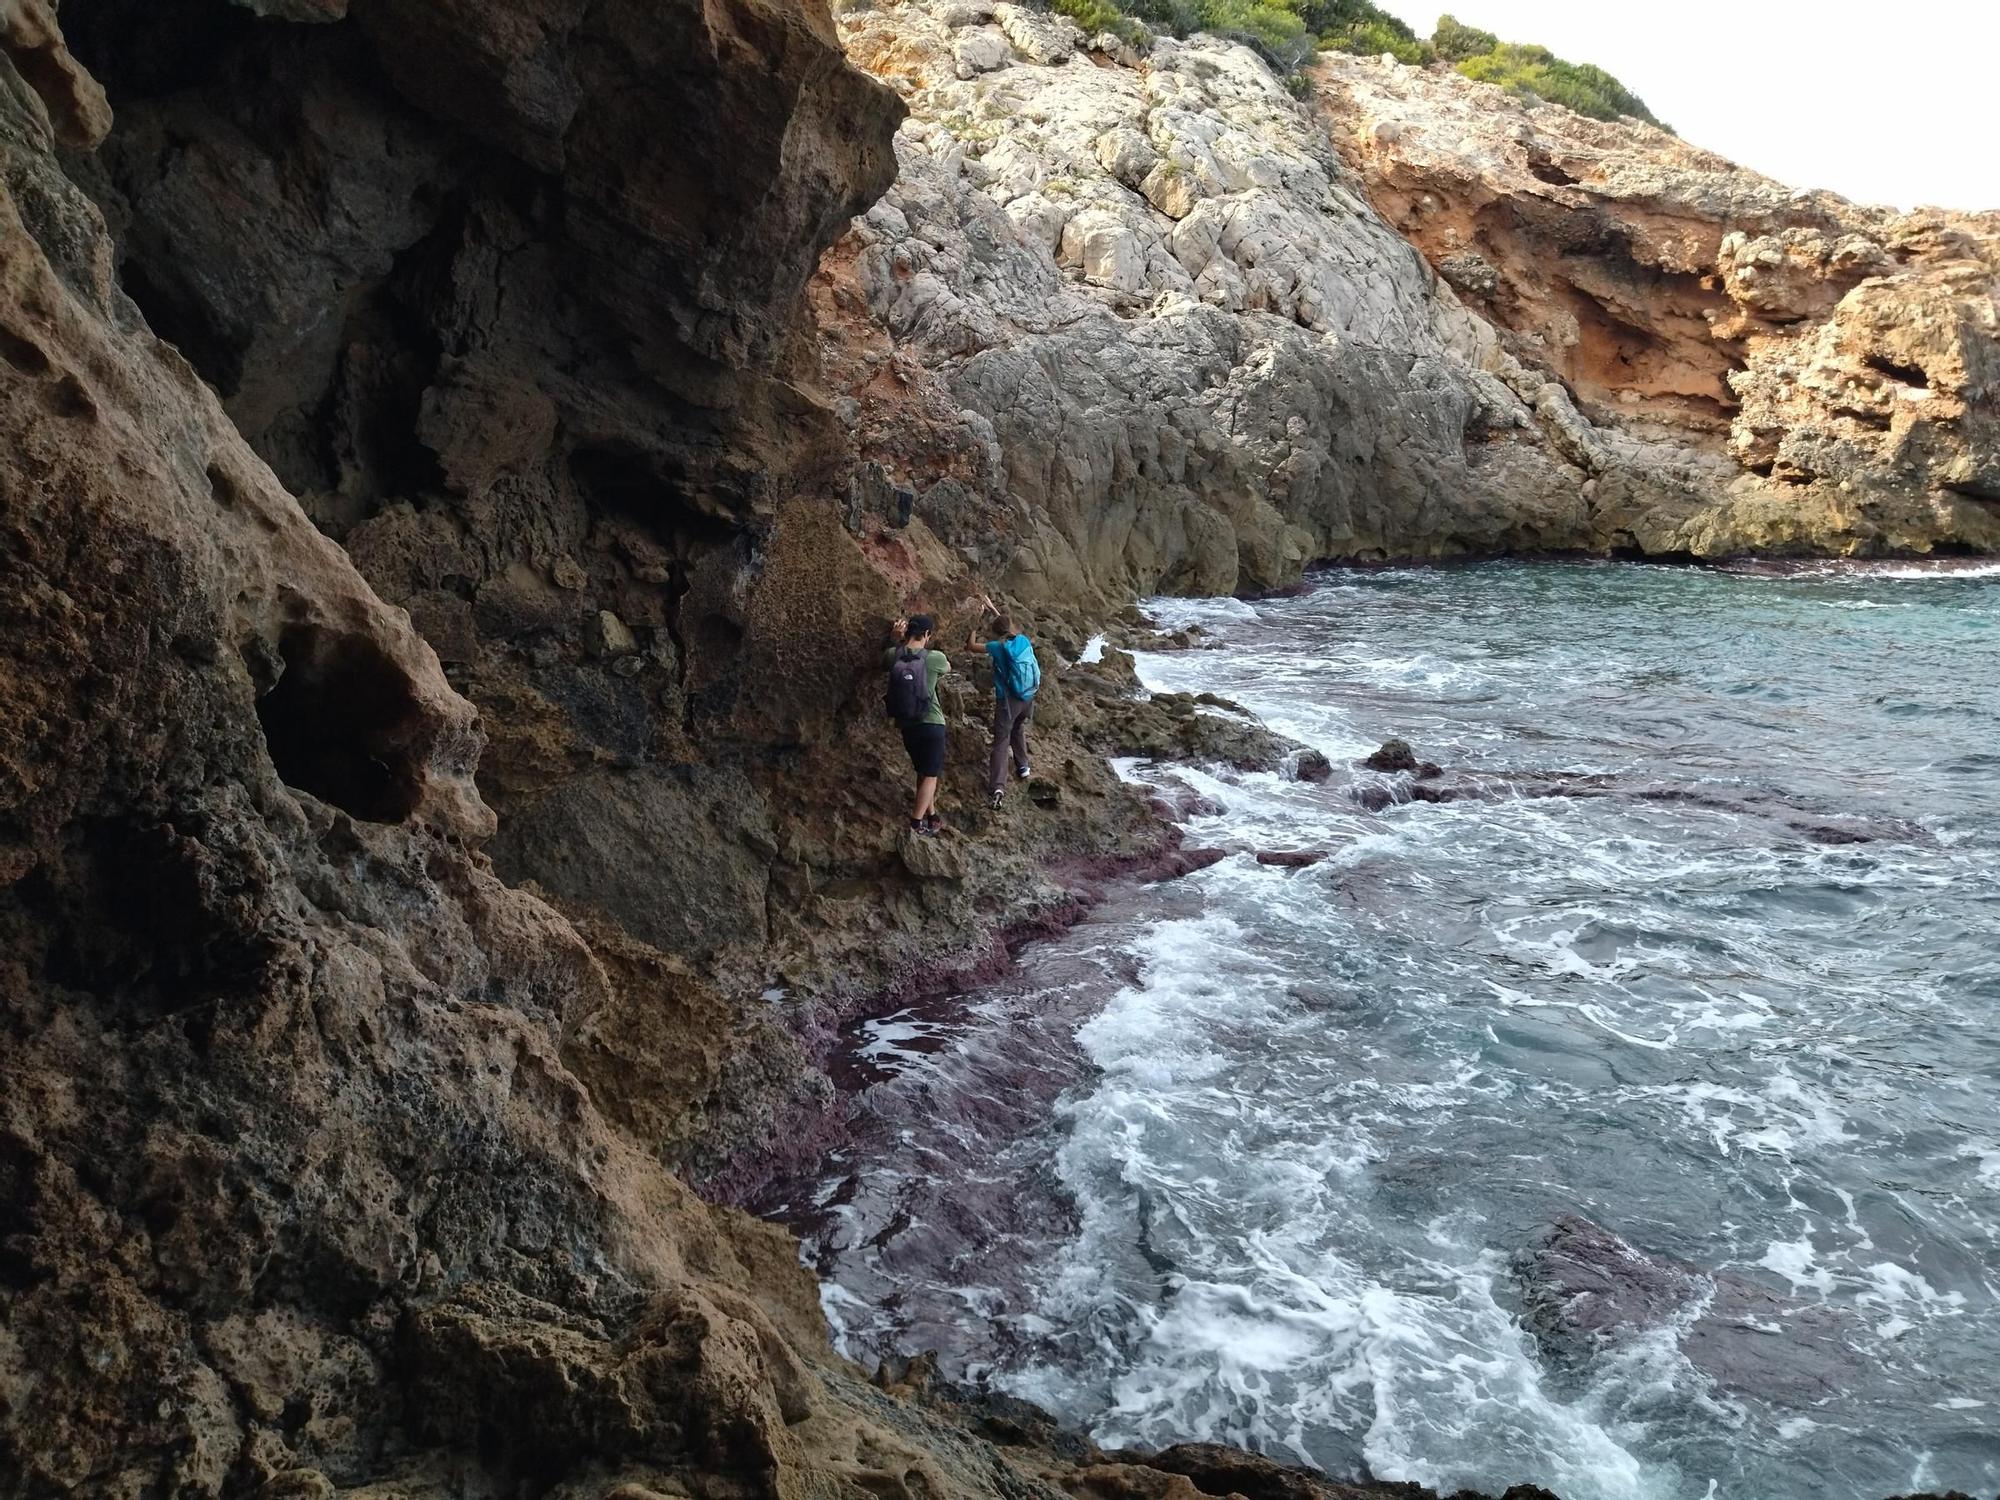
[(300, 1191), (509, 297), (1825, 369), (1150, 309)]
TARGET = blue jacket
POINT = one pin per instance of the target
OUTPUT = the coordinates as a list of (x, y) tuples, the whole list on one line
[(1014, 662)]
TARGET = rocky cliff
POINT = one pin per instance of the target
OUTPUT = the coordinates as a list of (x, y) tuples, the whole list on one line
[(460, 460), (1833, 365), (331, 1158), (476, 284), (1202, 331)]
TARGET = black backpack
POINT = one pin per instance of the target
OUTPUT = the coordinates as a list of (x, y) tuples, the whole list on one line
[(909, 686)]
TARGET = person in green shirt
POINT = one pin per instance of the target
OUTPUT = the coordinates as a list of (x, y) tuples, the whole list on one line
[(917, 712)]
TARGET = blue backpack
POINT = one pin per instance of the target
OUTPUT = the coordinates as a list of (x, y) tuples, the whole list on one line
[(1020, 673)]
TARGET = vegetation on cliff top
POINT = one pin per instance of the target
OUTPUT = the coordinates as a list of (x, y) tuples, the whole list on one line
[(1289, 32)]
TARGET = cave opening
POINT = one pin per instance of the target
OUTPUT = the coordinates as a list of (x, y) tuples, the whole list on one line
[(21, 1189), (342, 723), (181, 322), (627, 484)]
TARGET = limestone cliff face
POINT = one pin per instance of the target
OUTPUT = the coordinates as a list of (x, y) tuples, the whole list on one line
[(1174, 314), (1170, 328), (1841, 357)]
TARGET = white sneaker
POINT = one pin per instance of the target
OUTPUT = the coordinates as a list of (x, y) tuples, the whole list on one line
[(1022, 774)]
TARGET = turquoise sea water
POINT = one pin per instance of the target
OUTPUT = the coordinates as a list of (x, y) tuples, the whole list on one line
[(1640, 1140)]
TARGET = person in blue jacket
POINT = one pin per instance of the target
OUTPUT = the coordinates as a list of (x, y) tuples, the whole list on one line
[(1016, 677)]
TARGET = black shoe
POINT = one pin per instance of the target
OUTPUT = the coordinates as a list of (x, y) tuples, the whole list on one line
[(932, 825), (996, 797), (923, 828)]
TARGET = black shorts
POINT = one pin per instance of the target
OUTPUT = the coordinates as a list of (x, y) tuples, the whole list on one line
[(925, 742)]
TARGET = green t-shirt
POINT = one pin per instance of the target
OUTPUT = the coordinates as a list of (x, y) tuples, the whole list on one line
[(935, 666)]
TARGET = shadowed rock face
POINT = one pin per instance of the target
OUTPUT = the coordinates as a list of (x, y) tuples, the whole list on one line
[(296, 1177), (509, 297), (475, 247)]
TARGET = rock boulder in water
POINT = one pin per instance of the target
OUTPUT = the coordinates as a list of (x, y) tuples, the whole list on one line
[(1393, 755), (1585, 1285), (1311, 765)]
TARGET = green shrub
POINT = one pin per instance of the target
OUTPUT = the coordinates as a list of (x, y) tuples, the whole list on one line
[(1176, 17), (1373, 38), (1454, 41), (1272, 27), (1286, 33), (1362, 27), (1536, 72), (1102, 15)]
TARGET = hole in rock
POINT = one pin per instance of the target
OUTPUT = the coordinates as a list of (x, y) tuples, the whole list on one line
[(23, 354), (718, 636), (1908, 375), (23, 1192), (1547, 171), (140, 49), (1862, 416), (342, 723), (178, 319)]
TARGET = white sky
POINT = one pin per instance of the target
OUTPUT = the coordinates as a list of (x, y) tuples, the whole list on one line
[(1888, 101)]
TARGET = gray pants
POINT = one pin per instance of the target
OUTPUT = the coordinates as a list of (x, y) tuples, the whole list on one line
[(1010, 731)]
